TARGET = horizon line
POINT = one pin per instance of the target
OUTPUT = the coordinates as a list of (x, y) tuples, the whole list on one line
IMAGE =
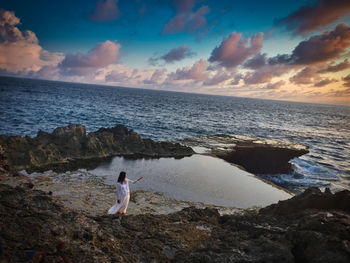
[(175, 91)]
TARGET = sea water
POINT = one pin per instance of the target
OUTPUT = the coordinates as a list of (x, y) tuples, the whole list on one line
[(27, 106)]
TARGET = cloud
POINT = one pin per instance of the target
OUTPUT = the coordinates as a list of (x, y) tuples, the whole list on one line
[(20, 52), (256, 62), (122, 75), (265, 74), (8, 30), (279, 59), (269, 34), (275, 86), (117, 76), (346, 78), (307, 75), (233, 50), (175, 54), (105, 11), (311, 53), (197, 72), (319, 48), (157, 76), (186, 20), (335, 68), (102, 55), (324, 82), (46, 72), (342, 93), (183, 5), (236, 79), (346, 81), (312, 17), (218, 78)]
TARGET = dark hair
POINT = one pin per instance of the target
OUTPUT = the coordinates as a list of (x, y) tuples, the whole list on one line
[(121, 177)]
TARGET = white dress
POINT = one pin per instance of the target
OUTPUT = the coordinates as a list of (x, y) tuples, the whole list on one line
[(123, 194)]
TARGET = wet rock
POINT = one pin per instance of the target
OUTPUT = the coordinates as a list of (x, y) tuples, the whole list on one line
[(69, 147)]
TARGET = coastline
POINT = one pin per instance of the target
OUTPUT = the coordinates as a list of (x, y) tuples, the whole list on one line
[(311, 226), (62, 216), (71, 149)]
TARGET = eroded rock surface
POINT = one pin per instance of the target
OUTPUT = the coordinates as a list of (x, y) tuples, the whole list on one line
[(70, 147), (31, 221), (255, 155)]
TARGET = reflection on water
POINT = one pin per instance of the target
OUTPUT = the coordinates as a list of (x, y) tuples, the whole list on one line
[(197, 178)]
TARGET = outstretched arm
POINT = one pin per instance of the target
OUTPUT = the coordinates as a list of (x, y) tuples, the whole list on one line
[(134, 182)]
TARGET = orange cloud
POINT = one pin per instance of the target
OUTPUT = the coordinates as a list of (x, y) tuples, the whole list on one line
[(20, 51), (197, 72), (335, 68)]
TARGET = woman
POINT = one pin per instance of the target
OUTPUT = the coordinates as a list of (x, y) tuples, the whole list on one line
[(123, 194)]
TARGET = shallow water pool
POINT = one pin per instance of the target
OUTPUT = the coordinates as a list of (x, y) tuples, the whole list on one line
[(198, 178)]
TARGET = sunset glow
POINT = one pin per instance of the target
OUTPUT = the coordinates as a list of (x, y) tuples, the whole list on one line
[(282, 50)]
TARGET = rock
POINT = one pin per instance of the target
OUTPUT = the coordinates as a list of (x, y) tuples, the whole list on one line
[(4, 168), (32, 221), (70, 131), (262, 159), (312, 198), (257, 156), (69, 147)]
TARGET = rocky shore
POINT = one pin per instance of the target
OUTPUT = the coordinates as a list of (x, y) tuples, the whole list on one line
[(59, 217), (70, 148), (311, 227)]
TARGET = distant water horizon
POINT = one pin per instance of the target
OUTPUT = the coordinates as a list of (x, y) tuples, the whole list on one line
[(174, 91), (30, 105)]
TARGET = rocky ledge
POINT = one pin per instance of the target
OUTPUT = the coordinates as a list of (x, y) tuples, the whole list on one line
[(70, 147), (257, 156), (311, 227)]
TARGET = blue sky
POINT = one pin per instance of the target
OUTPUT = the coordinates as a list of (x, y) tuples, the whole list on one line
[(65, 26), (68, 32)]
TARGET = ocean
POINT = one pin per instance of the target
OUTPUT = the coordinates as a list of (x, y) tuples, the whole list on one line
[(27, 106)]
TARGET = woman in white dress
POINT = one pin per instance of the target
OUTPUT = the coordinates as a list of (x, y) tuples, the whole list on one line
[(123, 194)]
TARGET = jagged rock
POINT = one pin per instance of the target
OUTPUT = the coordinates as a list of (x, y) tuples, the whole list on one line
[(70, 148), (321, 224), (312, 198), (262, 159), (70, 131), (257, 156), (31, 220)]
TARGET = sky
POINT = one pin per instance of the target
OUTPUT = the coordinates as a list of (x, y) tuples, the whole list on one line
[(282, 50)]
